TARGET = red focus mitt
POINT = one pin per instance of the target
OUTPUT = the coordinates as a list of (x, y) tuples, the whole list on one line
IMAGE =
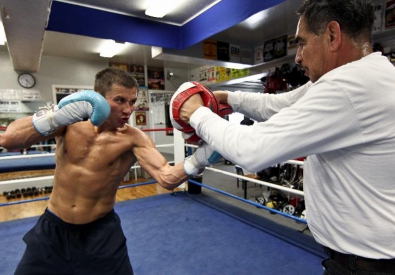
[(183, 93)]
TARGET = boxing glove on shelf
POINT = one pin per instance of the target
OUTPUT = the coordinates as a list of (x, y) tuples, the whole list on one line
[(71, 109), (204, 156)]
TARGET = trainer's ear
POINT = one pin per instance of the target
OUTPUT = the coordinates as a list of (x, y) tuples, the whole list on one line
[(334, 33)]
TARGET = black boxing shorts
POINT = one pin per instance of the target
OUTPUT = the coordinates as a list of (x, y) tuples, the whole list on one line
[(57, 247)]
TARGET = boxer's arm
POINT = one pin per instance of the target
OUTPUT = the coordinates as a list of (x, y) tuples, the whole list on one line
[(50, 121), (169, 177), (155, 164), (71, 109), (22, 134)]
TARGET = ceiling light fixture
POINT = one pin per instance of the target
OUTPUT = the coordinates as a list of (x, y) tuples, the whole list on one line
[(3, 38), (159, 8), (111, 48)]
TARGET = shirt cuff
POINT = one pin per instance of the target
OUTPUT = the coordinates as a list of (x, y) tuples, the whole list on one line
[(234, 100), (198, 115)]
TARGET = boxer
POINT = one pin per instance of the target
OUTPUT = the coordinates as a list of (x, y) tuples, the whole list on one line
[(79, 232)]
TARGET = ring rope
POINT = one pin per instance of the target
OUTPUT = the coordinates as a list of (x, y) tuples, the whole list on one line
[(165, 145), (46, 198), (297, 162), (275, 186), (250, 202), (157, 129), (38, 146), (27, 156), (194, 182)]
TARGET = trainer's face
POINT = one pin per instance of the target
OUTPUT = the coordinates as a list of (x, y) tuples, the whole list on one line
[(312, 52), (121, 100)]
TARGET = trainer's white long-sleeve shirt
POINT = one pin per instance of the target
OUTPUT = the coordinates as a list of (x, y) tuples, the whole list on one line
[(345, 124)]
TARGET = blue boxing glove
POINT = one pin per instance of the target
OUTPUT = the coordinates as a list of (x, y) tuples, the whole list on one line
[(204, 156), (71, 109)]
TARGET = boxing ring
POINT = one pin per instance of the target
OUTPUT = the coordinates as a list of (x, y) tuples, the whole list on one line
[(185, 233)]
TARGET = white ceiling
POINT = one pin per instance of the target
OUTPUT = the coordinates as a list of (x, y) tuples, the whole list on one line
[(25, 23), (262, 26), (182, 13)]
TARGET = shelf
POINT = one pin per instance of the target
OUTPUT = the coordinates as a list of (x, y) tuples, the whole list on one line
[(257, 71)]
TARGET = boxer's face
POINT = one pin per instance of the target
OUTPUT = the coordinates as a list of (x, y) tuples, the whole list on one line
[(122, 101)]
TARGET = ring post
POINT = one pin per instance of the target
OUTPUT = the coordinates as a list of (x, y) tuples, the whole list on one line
[(194, 188)]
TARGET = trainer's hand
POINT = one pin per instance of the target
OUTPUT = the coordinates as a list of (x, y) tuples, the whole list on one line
[(190, 106), (186, 100), (71, 109), (204, 156), (221, 96)]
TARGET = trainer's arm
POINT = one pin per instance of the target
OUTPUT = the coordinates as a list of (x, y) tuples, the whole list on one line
[(257, 106), (299, 130)]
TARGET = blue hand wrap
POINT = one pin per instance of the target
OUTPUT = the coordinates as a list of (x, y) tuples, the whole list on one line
[(214, 158), (203, 156)]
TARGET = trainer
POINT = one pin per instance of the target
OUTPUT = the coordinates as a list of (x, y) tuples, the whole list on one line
[(343, 120)]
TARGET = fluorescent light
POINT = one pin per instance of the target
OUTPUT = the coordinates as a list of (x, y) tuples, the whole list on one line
[(3, 39), (159, 8), (111, 48)]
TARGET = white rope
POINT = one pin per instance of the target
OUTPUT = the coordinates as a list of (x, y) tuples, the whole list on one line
[(38, 155), (165, 145), (264, 183), (191, 145), (297, 162)]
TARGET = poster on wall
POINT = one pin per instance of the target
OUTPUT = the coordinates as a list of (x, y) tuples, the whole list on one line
[(210, 49), (280, 47), (268, 51), (138, 73), (292, 45), (60, 91), (222, 74), (156, 78), (258, 54), (234, 53), (123, 66), (390, 14), (211, 78), (142, 100), (141, 118), (30, 95), (222, 51), (203, 75), (10, 94), (237, 73), (275, 48), (246, 55), (378, 20), (10, 106)]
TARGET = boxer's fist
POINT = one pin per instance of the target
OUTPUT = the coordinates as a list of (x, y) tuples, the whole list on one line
[(185, 92), (71, 109), (204, 156)]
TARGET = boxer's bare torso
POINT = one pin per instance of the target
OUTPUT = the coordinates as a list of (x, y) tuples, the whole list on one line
[(89, 168)]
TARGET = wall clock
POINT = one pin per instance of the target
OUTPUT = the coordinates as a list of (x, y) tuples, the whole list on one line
[(26, 80)]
